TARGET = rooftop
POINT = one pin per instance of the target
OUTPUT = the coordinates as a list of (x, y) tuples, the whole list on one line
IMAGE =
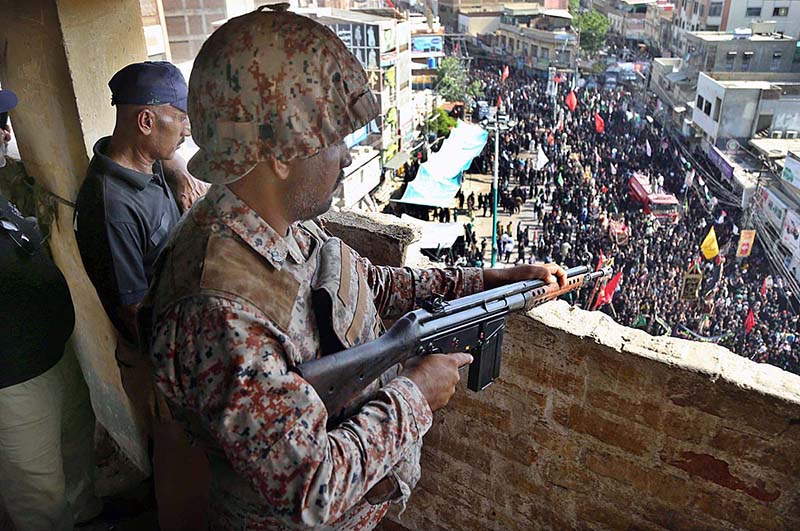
[(721, 36), (522, 9)]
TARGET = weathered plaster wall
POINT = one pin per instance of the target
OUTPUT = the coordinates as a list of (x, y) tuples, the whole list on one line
[(60, 57), (382, 238), (597, 426)]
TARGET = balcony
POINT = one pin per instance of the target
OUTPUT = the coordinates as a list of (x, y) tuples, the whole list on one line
[(542, 36), (593, 425)]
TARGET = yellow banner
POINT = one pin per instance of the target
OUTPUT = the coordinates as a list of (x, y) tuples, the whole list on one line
[(709, 246), (746, 240)]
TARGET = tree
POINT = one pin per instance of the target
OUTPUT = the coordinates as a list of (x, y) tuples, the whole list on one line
[(452, 79), (475, 90), (441, 123), (592, 26)]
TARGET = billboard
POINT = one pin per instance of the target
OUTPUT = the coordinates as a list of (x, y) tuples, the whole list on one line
[(791, 170), (790, 236), (773, 208), (427, 44)]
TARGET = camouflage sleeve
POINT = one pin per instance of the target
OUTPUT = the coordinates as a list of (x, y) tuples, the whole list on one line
[(225, 361), (396, 289)]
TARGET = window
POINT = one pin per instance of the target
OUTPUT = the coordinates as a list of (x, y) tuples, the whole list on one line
[(715, 9), (702, 10), (707, 108), (694, 8), (752, 12), (712, 28), (700, 102), (776, 60), (730, 58), (535, 51), (780, 12), (545, 53), (717, 109), (796, 58), (747, 58)]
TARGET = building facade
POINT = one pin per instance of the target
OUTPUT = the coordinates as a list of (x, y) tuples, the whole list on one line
[(741, 106), (537, 37)]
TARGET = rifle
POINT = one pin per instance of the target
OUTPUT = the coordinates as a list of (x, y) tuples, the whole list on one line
[(473, 324)]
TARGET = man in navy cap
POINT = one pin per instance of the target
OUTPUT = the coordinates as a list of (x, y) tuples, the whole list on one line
[(125, 212)]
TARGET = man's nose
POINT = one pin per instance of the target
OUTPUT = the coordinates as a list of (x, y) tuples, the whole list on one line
[(347, 160)]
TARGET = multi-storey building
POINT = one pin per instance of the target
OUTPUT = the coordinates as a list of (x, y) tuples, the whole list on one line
[(626, 18), (537, 37), (658, 25), (757, 49), (741, 106), (728, 15)]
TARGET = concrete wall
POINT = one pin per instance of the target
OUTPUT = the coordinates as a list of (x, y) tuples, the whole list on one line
[(786, 113), (737, 15), (597, 426), (478, 24), (60, 57), (189, 22)]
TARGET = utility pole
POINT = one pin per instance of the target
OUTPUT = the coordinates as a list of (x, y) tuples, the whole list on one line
[(495, 185)]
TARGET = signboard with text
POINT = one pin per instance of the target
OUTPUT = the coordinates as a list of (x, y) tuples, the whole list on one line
[(790, 236), (791, 170), (773, 208)]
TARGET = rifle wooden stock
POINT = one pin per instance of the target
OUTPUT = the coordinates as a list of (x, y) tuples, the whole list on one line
[(472, 324)]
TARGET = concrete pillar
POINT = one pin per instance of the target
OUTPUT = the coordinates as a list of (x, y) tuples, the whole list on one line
[(60, 56)]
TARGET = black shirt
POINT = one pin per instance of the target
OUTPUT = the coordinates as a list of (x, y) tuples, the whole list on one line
[(123, 218), (36, 313)]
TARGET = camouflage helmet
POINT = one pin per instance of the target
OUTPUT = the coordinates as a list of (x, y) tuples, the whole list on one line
[(272, 84)]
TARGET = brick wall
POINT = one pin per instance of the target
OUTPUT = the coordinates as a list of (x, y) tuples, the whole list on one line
[(597, 426), (189, 22)]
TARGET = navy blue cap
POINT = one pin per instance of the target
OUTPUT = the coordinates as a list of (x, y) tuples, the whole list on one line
[(8, 100), (149, 83)]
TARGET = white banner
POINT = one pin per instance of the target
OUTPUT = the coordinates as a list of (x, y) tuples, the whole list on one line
[(773, 208), (791, 171), (791, 232)]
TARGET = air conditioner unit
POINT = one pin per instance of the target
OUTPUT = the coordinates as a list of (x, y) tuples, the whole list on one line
[(791, 134), (776, 134)]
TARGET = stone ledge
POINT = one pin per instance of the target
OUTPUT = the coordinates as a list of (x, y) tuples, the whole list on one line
[(711, 360), (382, 238)]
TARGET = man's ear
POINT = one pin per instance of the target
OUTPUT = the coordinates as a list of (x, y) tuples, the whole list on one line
[(279, 168), (145, 120)]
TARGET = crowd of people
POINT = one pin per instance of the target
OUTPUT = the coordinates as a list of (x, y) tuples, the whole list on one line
[(582, 192)]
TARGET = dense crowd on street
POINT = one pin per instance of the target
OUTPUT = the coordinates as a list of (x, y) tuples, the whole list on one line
[(582, 192)]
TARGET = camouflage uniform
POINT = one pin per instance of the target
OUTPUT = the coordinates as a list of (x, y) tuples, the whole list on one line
[(234, 305)]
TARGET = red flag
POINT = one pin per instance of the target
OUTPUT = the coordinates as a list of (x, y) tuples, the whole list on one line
[(599, 123), (504, 76), (455, 50), (750, 322), (551, 139), (571, 101), (764, 287), (499, 101), (601, 261), (557, 78), (391, 4), (608, 293)]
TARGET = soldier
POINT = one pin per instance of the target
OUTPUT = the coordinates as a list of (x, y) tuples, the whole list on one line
[(249, 286)]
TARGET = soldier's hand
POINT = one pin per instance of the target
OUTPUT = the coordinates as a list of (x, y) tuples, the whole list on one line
[(436, 375), (550, 273)]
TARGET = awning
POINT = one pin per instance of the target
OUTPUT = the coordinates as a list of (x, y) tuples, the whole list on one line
[(439, 178), (435, 235), (676, 77), (398, 160)]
